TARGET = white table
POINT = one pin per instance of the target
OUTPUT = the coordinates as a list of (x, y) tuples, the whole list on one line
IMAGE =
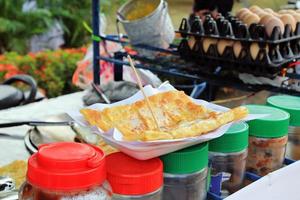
[(13, 148)]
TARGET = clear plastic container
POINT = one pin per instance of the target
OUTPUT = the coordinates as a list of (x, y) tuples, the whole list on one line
[(266, 154), (84, 179), (229, 168), (185, 186), (30, 192), (185, 173), (134, 179), (228, 156), (268, 139), (290, 104), (156, 195), (294, 142)]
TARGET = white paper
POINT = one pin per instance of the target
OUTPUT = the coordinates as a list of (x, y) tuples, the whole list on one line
[(146, 150), (279, 185)]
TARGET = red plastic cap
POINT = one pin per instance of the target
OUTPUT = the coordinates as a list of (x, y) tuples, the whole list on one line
[(128, 176), (66, 166)]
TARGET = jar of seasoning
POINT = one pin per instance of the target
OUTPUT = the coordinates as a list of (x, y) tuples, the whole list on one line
[(134, 179), (185, 173), (268, 137), (66, 171), (228, 156), (290, 104)]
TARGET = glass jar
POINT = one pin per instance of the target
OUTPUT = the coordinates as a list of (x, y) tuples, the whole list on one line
[(66, 171), (228, 156), (266, 154), (185, 173), (268, 139), (134, 179), (290, 104), (294, 143)]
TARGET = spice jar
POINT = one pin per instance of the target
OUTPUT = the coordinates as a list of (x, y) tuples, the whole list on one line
[(185, 173), (228, 155), (268, 137), (290, 104), (66, 171), (134, 179)]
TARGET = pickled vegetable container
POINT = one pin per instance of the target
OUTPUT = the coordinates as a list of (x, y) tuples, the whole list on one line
[(134, 179), (185, 173), (290, 104), (228, 155), (66, 171), (268, 137)]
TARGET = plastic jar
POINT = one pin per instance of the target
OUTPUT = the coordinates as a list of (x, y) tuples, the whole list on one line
[(290, 104), (228, 156), (185, 173), (66, 171), (134, 179), (267, 140)]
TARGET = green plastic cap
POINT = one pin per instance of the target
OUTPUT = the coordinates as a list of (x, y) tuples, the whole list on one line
[(290, 104), (234, 140), (186, 161), (274, 125)]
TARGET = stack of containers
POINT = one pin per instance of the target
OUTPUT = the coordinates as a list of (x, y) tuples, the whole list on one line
[(290, 104), (268, 137), (228, 155), (185, 173)]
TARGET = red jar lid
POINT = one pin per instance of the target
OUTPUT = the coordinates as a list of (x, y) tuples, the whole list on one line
[(66, 166), (128, 176)]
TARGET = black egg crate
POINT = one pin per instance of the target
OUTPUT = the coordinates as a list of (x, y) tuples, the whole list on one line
[(283, 49)]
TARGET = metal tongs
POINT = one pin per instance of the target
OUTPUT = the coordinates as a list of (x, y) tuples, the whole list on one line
[(36, 123)]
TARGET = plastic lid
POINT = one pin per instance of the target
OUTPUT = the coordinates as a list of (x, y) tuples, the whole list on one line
[(66, 166), (188, 160), (290, 104), (234, 140), (272, 126), (128, 176)]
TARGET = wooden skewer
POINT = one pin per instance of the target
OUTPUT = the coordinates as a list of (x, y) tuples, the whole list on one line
[(142, 89)]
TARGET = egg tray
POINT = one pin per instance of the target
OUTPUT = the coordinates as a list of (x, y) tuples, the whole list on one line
[(283, 49)]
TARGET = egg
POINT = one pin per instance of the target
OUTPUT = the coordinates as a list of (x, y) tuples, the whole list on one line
[(191, 42), (241, 11), (244, 15), (255, 8), (276, 14), (282, 11), (251, 19), (272, 23), (269, 10), (262, 13), (264, 20), (296, 16), (254, 50), (288, 19), (291, 11), (207, 42), (222, 44), (237, 48)]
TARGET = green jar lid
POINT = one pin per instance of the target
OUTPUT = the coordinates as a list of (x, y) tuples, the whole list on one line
[(272, 126), (234, 140), (186, 161), (290, 104)]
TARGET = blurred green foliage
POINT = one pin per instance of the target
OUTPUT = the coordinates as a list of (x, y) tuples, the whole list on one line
[(16, 27)]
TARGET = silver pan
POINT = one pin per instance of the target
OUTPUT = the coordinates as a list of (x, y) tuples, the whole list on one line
[(71, 132)]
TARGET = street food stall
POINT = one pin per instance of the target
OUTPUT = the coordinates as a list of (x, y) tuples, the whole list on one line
[(160, 142)]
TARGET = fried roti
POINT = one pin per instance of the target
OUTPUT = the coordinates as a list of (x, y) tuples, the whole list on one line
[(177, 116)]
